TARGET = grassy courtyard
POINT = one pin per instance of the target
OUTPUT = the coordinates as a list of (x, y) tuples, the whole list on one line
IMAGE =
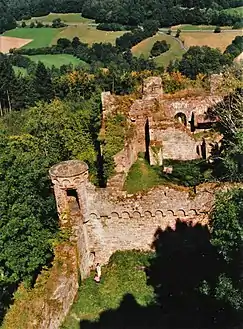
[(120, 277), (142, 176)]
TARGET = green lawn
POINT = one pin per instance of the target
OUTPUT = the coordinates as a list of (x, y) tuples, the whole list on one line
[(57, 60), (120, 277), (142, 176), (144, 47), (67, 18), (42, 37)]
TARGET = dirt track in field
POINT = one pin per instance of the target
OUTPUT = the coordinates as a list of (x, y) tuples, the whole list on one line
[(7, 43)]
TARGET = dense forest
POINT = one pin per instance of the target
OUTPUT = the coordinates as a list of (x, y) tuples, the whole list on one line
[(166, 12)]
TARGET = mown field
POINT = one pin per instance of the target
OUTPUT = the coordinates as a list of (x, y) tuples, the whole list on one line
[(42, 37), (214, 40), (190, 27), (119, 278), (57, 60), (88, 34), (144, 47)]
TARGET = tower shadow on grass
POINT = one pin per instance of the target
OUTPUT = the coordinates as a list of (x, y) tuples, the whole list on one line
[(184, 261)]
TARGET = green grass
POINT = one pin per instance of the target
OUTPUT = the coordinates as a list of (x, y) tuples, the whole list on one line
[(88, 34), (190, 27), (57, 60), (42, 37), (238, 11), (144, 48), (67, 18), (142, 176), (120, 277)]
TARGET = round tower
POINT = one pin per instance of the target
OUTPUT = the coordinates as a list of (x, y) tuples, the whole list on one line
[(69, 176)]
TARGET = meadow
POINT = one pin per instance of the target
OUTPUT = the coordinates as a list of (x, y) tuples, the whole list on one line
[(88, 34), (144, 47), (41, 37), (57, 60), (66, 18)]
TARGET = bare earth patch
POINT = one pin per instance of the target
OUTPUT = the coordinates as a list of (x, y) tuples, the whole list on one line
[(7, 43)]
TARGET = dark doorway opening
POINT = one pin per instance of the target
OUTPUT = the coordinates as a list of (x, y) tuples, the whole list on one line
[(147, 141), (73, 199), (203, 149), (192, 122), (181, 117)]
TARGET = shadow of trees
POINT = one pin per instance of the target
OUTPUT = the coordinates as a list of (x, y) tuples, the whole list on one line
[(184, 269)]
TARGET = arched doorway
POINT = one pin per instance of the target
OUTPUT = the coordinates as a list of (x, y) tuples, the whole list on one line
[(181, 117)]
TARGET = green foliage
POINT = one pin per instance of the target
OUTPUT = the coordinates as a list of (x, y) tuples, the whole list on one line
[(159, 47), (203, 60), (217, 29), (236, 47), (123, 275), (227, 237), (116, 129), (227, 233)]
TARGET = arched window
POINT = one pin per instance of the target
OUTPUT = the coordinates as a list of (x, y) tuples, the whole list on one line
[(181, 117)]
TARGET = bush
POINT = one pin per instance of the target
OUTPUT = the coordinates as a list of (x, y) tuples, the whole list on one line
[(217, 29), (159, 47)]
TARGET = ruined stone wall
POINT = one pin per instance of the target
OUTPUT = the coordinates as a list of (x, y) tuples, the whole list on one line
[(177, 144), (159, 111), (47, 304), (116, 222)]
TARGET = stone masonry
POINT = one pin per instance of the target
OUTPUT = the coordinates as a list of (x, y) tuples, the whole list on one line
[(108, 222)]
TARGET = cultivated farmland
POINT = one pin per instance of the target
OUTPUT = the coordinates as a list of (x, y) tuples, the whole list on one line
[(7, 43), (41, 37), (214, 40), (88, 34)]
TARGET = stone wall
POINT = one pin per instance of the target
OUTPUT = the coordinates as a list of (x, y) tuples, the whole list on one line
[(177, 144), (104, 221), (160, 112), (47, 304)]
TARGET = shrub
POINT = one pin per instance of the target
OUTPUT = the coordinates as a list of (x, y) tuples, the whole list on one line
[(217, 29), (159, 47)]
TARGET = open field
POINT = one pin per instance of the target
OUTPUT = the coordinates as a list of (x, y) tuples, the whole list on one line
[(57, 60), (214, 40), (144, 47), (40, 37), (67, 18), (88, 34), (7, 43), (190, 27), (235, 11)]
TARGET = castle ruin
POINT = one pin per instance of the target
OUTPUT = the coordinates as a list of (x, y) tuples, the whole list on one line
[(104, 220)]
